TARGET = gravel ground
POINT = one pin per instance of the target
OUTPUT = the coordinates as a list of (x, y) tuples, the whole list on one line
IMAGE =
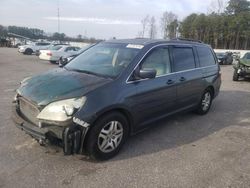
[(182, 151)]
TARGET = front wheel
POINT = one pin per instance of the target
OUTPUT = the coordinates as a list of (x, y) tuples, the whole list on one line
[(205, 103), (107, 136), (53, 62), (28, 51)]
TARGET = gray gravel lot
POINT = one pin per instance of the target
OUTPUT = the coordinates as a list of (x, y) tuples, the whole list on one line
[(183, 151)]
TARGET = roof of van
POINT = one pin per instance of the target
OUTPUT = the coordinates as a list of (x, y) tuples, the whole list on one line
[(145, 41)]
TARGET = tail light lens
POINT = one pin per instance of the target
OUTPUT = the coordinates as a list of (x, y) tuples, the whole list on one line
[(49, 54)]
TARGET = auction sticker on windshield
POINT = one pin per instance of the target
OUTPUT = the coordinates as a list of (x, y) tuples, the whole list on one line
[(135, 46)]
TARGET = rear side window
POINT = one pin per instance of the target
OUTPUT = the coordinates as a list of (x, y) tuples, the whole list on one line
[(183, 58), (205, 56)]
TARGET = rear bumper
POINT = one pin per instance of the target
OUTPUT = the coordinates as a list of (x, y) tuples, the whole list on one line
[(44, 57), (48, 58)]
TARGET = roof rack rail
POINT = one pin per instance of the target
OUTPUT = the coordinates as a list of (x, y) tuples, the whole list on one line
[(191, 40)]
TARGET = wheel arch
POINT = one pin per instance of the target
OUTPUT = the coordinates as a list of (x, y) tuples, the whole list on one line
[(127, 114), (211, 88), (28, 49), (99, 115)]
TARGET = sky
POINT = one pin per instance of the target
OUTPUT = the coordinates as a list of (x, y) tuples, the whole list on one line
[(102, 19)]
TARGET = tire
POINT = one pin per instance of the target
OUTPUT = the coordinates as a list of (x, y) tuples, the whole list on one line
[(100, 140), (205, 103), (52, 62), (235, 75), (28, 51)]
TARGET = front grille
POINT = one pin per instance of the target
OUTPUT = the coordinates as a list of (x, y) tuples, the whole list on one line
[(28, 110)]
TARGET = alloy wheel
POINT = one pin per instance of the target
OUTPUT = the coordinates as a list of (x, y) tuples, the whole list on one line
[(206, 101), (110, 136)]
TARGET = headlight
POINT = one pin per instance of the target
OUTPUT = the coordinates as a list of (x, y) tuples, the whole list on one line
[(61, 110), (69, 59)]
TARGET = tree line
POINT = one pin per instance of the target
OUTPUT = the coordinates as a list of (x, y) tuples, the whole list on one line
[(34, 34), (225, 26)]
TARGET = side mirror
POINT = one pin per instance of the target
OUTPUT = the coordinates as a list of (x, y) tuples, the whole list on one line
[(147, 73)]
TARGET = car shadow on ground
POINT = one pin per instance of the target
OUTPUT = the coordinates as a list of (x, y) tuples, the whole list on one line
[(230, 108)]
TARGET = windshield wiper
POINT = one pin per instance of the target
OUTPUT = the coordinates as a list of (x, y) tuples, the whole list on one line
[(92, 73)]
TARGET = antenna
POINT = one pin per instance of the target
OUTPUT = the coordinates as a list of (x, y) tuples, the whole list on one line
[(58, 16)]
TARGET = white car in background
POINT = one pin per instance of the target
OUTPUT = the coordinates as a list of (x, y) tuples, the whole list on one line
[(33, 47), (55, 53)]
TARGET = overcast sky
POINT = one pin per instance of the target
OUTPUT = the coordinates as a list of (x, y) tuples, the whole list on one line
[(95, 18)]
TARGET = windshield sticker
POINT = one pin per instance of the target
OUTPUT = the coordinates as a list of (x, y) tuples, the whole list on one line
[(135, 46)]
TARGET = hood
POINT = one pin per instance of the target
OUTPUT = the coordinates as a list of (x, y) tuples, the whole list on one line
[(59, 84), (245, 62)]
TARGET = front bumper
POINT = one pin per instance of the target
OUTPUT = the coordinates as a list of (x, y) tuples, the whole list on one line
[(43, 134), (243, 71), (21, 50), (71, 138)]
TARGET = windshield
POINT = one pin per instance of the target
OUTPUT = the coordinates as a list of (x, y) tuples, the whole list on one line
[(83, 49), (57, 47), (104, 59), (246, 56)]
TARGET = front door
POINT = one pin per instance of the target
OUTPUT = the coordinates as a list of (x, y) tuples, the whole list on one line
[(155, 97)]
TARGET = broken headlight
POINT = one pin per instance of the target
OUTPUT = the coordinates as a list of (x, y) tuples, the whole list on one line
[(61, 110)]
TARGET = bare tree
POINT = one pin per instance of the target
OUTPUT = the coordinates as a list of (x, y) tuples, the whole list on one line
[(217, 6), (167, 19), (152, 28), (145, 23)]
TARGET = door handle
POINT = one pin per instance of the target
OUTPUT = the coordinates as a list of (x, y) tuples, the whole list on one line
[(182, 79), (169, 82)]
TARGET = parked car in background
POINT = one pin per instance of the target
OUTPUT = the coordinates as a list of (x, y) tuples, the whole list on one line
[(225, 58), (54, 54), (116, 89), (33, 47), (242, 67), (64, 60), (51, 47)]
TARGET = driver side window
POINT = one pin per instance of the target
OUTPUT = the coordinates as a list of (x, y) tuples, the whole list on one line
[(159, 60)]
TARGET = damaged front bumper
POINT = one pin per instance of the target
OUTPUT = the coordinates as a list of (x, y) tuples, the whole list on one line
[(243, 71), (70, 137)]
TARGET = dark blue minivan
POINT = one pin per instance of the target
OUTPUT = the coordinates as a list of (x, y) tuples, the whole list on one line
[(115, 89)]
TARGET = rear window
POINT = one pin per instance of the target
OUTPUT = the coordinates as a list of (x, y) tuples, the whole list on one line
[(183, 58), (205, 56)]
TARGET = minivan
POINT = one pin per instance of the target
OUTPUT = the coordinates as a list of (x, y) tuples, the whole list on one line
[(115, 89)]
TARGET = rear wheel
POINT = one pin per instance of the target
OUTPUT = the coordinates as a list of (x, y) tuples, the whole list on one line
[(107, 136), (205, 103), (28, 51), (236, 75)]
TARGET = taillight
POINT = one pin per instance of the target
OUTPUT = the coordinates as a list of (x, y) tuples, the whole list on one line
[(49, 54)]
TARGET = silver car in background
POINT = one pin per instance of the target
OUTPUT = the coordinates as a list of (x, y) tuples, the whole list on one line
[(56, 52)]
